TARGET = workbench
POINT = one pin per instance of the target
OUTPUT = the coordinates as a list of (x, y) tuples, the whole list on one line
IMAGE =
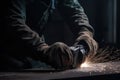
[(97, 71)]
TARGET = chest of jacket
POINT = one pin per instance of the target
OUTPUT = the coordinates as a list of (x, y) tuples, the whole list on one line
[(37, 13)]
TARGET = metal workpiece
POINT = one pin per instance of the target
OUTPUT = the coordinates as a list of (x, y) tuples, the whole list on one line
[(96, 71)]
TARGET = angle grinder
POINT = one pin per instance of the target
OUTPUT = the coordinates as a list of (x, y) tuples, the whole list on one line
[(79, 52)]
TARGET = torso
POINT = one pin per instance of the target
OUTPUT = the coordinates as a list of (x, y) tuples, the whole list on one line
[(35, 11)]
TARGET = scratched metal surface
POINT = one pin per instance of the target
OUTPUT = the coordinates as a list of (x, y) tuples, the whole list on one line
[(97, 69)]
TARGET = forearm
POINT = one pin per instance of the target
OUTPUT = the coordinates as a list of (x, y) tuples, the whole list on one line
[(18, 33), (75, 16)]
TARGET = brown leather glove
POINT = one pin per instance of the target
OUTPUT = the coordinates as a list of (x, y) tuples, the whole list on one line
[(86, 39), (58, 55)]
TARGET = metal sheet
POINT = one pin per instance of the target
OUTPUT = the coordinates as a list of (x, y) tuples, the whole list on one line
[(96, 71)]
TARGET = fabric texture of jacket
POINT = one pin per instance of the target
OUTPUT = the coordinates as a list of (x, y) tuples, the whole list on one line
[(22, 24)]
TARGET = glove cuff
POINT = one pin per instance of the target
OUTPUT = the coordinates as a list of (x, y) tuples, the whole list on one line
[(85, 31)]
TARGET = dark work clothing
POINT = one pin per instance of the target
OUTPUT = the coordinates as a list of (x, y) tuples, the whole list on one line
[(22, 24)]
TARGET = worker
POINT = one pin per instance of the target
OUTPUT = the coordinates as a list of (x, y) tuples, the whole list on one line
[(22, 25)]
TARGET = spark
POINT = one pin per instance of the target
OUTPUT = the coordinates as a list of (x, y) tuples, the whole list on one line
[(85, 64), (102, 56), (105, 54)]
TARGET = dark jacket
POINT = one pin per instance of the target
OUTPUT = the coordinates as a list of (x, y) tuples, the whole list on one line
[(22, 24)]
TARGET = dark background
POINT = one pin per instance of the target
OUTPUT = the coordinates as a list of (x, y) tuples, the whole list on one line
[(118, 23), (103, 16)]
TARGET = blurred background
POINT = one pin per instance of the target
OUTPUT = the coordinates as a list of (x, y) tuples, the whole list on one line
[(103, 15)]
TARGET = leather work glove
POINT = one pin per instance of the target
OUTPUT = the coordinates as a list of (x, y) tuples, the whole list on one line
[(85, 38), (84, 45), (58, 55)]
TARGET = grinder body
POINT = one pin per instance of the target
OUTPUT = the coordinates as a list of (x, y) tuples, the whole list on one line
[(79, 54)]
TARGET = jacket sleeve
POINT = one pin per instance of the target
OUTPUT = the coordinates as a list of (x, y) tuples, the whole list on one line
[(16, 28), (75, 16)]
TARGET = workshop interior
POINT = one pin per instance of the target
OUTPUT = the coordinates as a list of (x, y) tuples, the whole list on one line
[(104, 17)]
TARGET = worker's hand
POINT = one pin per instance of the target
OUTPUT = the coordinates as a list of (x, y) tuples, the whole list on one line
[(58, 55), (86, 39)]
